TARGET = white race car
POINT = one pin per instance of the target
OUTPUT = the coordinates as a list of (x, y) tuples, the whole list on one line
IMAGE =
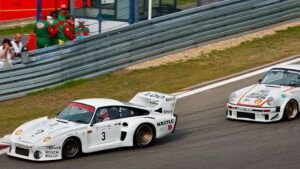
[(276, 97), (91, 125)]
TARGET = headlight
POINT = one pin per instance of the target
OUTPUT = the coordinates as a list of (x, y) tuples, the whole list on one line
[(47, 139), (19, 132), (37, 154), (232, 97), (270, 101)]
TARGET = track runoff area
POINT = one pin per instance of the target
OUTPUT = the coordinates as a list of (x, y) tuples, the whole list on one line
[(191, 103)]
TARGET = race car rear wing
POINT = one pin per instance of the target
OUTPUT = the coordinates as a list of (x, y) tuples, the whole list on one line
[(159, 102)]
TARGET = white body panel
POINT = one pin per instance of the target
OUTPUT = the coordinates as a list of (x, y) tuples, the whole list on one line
[(93, 137)]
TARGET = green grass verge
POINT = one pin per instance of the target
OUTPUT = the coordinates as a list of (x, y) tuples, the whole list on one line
[(23, 30), (184, 2), (168, 78)]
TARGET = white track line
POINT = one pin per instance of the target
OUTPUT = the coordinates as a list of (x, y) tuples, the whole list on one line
[(195, 91)]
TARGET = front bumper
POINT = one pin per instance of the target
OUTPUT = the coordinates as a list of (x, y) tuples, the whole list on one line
[(259, 114), (27, 151)]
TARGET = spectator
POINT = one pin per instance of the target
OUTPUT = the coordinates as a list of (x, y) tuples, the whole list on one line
[(62, 17), (65, 31), (7, 55), (55, 26), (43, 31), (18, 48), (81, 30)]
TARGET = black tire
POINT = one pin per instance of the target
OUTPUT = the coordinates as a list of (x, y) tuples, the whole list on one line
[(144, 135), (291, 110), (71, 148)]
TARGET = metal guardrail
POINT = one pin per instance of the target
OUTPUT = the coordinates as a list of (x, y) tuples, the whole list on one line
[(139, 42)]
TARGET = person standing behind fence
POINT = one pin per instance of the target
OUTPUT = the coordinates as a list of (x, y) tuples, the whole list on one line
[(65, 31), (43, 31), (55, 26), (18, 48), (6, 53), (62, 17), (81, 30)]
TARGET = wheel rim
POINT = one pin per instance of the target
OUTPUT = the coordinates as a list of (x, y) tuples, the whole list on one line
[(144, 135), (71, 148), (291, 109)]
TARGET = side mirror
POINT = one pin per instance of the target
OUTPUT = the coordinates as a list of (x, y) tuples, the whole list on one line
[(58, 113), (259, 80)]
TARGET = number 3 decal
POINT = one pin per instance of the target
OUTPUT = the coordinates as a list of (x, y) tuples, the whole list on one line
[(103, 136)]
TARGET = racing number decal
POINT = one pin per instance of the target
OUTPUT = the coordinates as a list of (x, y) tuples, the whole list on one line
[(155, 95), (103, 136)]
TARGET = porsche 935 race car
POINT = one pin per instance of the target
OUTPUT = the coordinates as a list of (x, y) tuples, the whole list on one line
[(276, 97), (91, 125)]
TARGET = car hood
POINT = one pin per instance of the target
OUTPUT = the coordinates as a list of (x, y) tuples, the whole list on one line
[(37, 130), (257, 95)]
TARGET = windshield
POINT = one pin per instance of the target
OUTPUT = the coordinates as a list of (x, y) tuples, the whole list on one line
[(282, 77), (77, 112)]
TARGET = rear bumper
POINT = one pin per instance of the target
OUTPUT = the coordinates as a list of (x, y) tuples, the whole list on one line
[(259, 114)]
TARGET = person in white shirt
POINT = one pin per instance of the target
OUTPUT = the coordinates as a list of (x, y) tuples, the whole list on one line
[(18, 47), (7, 55)]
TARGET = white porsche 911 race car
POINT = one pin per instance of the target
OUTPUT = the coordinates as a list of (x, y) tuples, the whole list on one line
[(91, 125), (276, 97)]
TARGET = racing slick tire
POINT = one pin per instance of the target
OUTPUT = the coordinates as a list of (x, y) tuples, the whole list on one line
[(291, 110), (144, 135), (71, 148)]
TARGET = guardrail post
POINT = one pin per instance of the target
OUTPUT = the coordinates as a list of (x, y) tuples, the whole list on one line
[(72, 6), (199, 2), (136, 10), (149, 9), (100, 15), (131, 15)]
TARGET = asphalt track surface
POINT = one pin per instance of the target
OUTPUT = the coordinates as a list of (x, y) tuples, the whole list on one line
[(203, 139)]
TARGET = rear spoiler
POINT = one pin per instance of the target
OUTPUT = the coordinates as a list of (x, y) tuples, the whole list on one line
[(159, 102)]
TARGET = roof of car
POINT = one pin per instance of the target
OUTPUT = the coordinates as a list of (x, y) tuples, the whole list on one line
[(293, 66), (99, 102)]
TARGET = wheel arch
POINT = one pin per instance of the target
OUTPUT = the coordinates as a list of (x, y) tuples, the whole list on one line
[(72, 137), (147, 123), (285, 102)]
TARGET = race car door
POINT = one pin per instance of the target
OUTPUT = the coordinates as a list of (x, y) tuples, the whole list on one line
[(106, 128)]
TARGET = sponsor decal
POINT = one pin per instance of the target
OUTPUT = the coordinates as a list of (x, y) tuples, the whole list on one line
[(170, 127), (262, 94), (38, 132), (167, 111), (167, 122), (155, 95), (40, 25), (83, 106), (258, 101), (53, 124), (103, 127), (244, 109), (247, 100), (283, 96), (54, 148), (53, 151)]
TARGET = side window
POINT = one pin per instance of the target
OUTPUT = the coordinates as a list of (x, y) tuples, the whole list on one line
[(129, 112), (105, 114), (126, 112)]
